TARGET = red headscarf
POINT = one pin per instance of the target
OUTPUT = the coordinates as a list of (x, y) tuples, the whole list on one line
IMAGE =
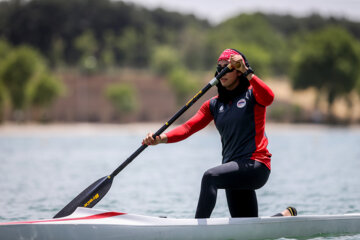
[(226, 54)]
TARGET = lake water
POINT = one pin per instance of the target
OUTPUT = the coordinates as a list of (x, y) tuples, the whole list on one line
[(314, 168)]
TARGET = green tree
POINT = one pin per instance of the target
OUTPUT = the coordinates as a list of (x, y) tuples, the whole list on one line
[(165, 59), (2, 102), (107, 55), (57, 53), (42, 92), (329, 61), (182, 83), (123, 97), (5, 49), (45, 90), (264, 47), (87, 45), (194, 50), (18, 70), (167, 62), (134, 45), (27, 81), (126, 45), (258, 57)]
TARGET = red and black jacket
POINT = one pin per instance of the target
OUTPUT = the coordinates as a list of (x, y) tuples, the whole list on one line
[(241, 123)]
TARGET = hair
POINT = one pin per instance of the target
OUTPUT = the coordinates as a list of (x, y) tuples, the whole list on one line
[(225, 95)]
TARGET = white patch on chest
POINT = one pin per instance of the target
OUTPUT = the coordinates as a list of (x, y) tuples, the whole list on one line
[(241, 103)]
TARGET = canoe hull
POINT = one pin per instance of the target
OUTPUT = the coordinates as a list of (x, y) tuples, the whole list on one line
[(127, 226)]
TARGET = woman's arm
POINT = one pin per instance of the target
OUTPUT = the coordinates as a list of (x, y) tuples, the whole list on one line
[(200, 120), (262, 93)]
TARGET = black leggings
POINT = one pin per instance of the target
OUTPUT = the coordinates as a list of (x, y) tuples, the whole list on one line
[(239, 178)]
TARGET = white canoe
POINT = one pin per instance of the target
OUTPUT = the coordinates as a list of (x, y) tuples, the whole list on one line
[(93, 224)]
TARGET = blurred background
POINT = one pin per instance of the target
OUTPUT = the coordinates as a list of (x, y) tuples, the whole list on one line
[(102, 61)]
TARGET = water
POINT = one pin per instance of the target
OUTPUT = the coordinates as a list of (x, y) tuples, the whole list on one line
[(315, 169)]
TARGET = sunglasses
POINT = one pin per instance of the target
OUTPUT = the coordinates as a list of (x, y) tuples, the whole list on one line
[(219, 68)]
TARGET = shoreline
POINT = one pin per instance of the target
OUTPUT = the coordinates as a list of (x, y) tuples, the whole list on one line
[(138, 128)]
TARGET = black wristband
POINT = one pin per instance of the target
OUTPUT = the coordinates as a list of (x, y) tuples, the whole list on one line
[(247, 72)]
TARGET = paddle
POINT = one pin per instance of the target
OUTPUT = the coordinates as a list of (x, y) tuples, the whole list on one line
[(96, 191)]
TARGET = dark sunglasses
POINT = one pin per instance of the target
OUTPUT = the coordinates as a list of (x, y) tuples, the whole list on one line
[(219, 68)]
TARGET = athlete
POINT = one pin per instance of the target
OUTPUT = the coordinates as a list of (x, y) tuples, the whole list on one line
[(239, 112)]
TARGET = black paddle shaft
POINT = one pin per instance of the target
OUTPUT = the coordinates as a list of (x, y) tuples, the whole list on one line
[(96, 191), (213, 82)]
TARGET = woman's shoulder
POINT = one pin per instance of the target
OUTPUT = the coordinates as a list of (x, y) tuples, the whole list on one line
[(211, 103), (215, 98)]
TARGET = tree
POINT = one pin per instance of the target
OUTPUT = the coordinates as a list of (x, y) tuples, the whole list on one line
[(26, 80), (127, 46), (256, 38), (107, 55), (123, 98), (182, 83), (53, 25), (5, 49), (167, 63), (164, 60), (42, 92), (2, 102), (194, 50), (329, 61), (45, 90), (18, 69), (56, 56), (87, 45)]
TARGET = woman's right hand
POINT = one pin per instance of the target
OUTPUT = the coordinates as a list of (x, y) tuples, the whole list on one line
[(149, 140), (238, 63)]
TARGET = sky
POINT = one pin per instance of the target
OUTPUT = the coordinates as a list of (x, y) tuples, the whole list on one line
[(216, 11)]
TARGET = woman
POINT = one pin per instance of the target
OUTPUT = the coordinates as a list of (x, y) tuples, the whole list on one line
[(239, 114)]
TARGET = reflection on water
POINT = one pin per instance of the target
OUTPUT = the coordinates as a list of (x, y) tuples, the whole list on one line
[(313, 168)]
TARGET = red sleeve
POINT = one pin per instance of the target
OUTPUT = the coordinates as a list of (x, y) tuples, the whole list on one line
[(200, 120), (262, 93)]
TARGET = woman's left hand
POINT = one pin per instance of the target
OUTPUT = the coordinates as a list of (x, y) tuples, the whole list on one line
[(150, 140), (238, 63)]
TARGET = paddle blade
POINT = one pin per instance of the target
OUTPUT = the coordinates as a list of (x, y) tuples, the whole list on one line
[(89, 197)]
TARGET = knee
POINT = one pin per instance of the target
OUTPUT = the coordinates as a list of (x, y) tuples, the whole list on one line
[(209, 176)]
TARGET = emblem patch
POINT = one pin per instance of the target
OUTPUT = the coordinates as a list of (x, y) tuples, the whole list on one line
[(241, 103), (221, 109)]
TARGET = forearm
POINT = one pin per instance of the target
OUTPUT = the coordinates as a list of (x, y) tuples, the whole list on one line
[(262, 92), (178, 134), (200, 120)]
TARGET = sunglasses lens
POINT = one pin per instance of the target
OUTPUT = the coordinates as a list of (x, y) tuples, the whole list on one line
[(219, 68)]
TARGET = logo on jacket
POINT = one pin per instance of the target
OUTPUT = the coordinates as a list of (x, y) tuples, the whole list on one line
[(241, 103), (221, 109)]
